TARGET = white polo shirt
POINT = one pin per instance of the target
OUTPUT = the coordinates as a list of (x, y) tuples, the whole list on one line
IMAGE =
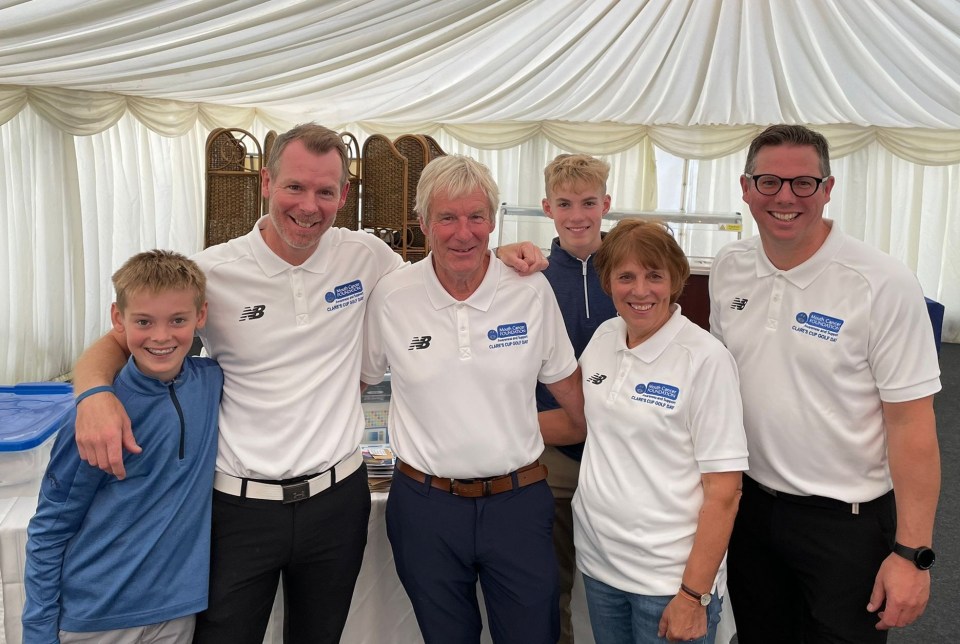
[(818, 348), (463, 374), (658, 416), (288, 341)]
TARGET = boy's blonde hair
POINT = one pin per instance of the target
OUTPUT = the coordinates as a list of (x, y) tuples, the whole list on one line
[(571, 170), (156, 271)]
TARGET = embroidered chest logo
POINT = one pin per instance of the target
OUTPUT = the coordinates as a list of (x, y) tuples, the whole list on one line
[(420, 342), (818, 325), (252, 312), (738, 303), (596, 378), (344, 295), (508, 335), (657, 393)]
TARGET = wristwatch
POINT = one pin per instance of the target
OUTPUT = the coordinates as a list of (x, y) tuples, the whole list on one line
[(922, 557), (703, 598)]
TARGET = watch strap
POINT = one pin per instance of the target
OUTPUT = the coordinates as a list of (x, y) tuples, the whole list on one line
[(922, 557), (701, 598)]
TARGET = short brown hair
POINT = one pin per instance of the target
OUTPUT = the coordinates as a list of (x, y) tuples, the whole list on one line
[(156, 271), (454, 175), (572, 170), (650, 244), (789, 135), (318, 140)]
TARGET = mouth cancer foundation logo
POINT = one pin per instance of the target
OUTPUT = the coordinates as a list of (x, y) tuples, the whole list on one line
[(508, 335), (818, 325), (657, 393), (344, 295)]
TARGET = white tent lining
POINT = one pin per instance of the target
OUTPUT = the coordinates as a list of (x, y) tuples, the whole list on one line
[(83, 113), (104, 108)]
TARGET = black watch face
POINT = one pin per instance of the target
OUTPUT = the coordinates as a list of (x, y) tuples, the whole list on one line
[(924, 558)]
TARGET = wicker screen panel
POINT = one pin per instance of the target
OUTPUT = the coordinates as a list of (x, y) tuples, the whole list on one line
[(349, 215), (383, 205), (268, 142), (419, 151), (433, 147), (233, 204)]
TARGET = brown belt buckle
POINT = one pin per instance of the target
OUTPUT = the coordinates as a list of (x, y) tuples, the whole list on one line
[(296, 492), (487, 487)]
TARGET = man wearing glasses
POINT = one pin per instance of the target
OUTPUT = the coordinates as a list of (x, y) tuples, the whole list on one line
[(838, 369)]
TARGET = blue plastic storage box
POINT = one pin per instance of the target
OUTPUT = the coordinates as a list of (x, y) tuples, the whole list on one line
[(30, 416)]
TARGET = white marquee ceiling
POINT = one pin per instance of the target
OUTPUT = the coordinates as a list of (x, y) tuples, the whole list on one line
[(884, 63)]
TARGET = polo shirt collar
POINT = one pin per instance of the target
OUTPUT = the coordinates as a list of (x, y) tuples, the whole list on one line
[(272, 265), (651, 348), (804, 275), (481, 299), (145, 385)]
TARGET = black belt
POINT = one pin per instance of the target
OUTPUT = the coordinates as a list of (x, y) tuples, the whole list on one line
[(814, 501)]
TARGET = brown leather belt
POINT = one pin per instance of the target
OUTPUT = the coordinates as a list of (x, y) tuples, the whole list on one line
[(533, 473)]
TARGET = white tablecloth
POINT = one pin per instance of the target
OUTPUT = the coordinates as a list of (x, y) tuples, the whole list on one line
[(380, 612)]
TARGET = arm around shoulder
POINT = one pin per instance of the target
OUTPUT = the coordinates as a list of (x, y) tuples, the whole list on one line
[(103, 427)]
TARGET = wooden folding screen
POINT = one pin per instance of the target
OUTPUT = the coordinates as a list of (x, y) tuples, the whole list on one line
[(233, 205)]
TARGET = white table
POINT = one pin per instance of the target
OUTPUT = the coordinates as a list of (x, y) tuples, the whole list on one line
[(380, 612)]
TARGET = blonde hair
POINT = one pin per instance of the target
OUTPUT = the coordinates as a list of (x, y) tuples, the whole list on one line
[(454, 175), (158, 270), (571, 170), (647, 242)]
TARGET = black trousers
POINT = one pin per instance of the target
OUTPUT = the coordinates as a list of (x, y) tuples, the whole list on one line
[(802, 573), (317, 544)]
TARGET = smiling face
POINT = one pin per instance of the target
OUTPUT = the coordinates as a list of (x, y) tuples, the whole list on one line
[(159, 328), (305, 194), (791, 228), (458, 229), (576, 211), (641, 296)]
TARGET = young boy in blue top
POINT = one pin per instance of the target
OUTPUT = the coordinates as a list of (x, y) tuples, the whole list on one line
[(577, 199), (118, 561)]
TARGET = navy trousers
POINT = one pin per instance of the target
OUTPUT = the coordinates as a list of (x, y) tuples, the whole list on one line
[(442, 544)]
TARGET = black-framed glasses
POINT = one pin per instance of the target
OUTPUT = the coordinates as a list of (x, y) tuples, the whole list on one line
[(770, 184)]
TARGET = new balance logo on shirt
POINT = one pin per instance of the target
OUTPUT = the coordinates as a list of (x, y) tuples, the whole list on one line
[(419, 342), (738, 303), (596, 378), (252, 312)]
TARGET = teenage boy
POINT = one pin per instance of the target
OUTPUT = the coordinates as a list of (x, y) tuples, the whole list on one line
[(577, 199), (117, 561)]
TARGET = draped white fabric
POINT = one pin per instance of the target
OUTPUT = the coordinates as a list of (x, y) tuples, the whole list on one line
[(104, 109)]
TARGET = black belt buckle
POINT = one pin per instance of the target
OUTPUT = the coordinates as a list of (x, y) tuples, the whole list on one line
[(487, 487), (296, 492)]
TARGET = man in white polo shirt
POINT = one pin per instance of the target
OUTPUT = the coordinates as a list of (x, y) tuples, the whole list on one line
[(838, 369), (466, 341), (286, 306)]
